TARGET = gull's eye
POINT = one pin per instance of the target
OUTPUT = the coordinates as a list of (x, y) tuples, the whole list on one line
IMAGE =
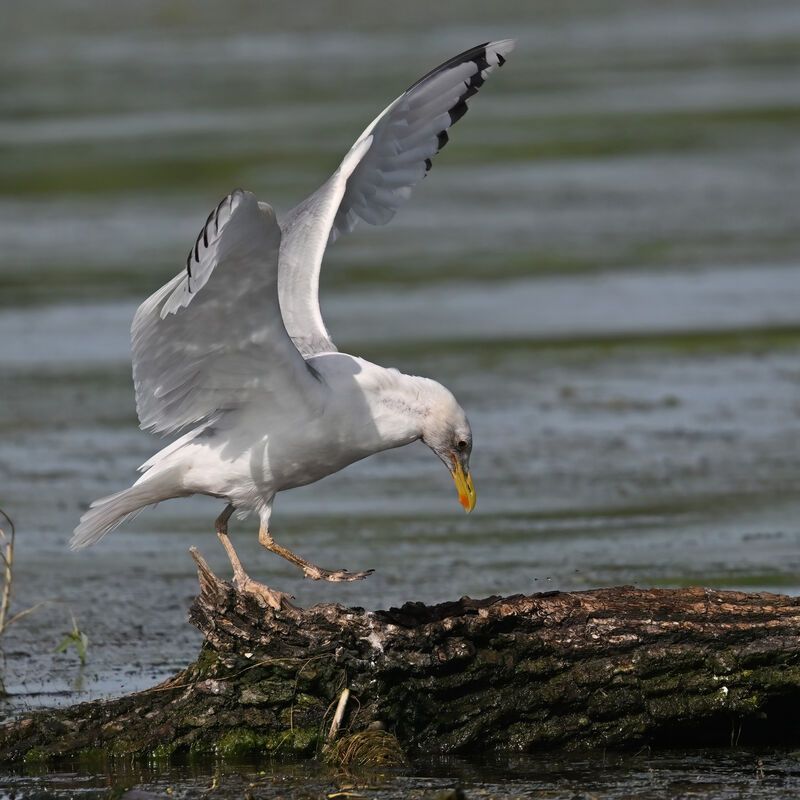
[(461, 445)]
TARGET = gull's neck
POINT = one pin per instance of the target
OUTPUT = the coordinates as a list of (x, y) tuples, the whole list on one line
[(407, 395), (380, 408), (403, 406)]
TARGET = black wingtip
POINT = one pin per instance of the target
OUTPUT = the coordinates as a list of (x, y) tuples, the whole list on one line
[(458, 111), (473, 54)]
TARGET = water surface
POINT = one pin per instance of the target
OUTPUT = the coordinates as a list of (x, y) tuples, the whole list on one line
[(602, 265)]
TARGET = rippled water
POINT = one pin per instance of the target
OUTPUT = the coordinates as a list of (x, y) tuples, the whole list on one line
[(603, 265)]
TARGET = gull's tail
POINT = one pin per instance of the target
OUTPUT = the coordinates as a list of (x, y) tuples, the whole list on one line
[(107, 513)]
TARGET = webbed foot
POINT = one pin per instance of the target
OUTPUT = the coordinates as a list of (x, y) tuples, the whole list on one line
[(263, 594), (335, 576)]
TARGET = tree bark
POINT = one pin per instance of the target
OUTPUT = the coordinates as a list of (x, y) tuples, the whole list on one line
[(618, 668)]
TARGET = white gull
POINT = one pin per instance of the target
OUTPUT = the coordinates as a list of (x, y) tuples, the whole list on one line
[(235, 349)]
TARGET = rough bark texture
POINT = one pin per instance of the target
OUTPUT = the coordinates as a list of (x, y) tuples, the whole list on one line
[(615, 668)]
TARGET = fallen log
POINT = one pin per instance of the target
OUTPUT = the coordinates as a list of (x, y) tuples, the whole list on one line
[(618, 668)]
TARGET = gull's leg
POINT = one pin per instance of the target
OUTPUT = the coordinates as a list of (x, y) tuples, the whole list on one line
[(242, 580), (310, 570)]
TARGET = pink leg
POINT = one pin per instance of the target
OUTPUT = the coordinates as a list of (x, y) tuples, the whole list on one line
[(309, 570), (242, 580)]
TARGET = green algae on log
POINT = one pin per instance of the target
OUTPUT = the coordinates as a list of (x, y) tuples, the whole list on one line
[(617, 668)]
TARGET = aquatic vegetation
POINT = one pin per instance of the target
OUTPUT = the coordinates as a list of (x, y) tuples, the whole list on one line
[(367, 748), (7, 556), (76, 636)]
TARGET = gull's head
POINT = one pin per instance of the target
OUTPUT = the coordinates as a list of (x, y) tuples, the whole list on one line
[(447, 432)]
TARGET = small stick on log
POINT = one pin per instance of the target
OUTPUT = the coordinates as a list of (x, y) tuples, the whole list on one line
[(339, 715)]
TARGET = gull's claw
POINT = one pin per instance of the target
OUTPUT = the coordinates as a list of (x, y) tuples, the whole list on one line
[(265, 595)]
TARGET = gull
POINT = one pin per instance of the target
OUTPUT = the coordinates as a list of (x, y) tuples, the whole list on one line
[(234, 347)]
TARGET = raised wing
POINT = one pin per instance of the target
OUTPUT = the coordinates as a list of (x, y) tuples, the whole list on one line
[(374, 180), (213, 337)]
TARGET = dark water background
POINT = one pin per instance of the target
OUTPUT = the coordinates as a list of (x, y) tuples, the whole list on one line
[(603, 266)]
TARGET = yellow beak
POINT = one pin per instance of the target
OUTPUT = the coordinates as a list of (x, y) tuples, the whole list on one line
[(466, 489)]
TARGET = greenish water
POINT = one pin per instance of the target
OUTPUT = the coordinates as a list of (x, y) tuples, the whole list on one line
[(603, 266)]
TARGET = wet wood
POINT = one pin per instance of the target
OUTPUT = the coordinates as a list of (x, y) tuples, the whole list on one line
[(618, 668)]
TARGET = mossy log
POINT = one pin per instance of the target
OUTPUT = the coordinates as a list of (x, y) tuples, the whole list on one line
[(618, 668)]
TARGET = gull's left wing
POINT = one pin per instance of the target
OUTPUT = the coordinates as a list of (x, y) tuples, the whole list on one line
[(212, 339), (373, 181)]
